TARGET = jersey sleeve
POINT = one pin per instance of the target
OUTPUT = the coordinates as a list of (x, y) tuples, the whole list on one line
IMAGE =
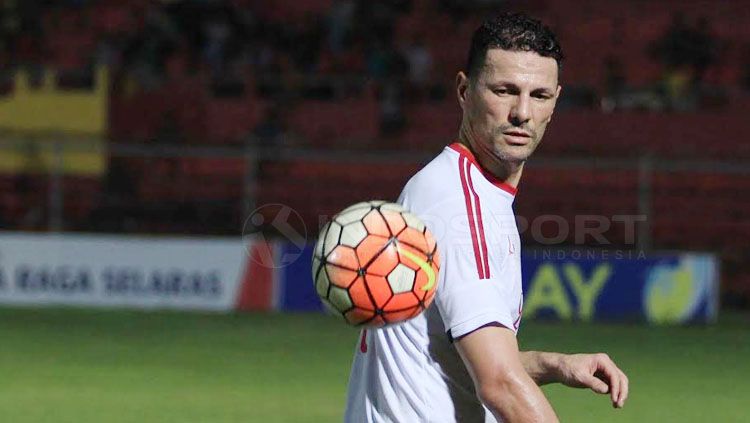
[(470, 293), (468, 300)]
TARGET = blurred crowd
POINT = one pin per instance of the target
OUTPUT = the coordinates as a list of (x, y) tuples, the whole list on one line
[(311, 56), (686, 51), (337, 52)]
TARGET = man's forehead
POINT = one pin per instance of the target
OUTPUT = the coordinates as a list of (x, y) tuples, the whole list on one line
[(523, 65)]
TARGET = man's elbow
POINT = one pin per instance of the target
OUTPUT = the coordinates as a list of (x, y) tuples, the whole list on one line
[(503, 393)]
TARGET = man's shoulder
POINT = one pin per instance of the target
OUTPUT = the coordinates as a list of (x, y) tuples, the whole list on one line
[(436, 180), (435, 195)]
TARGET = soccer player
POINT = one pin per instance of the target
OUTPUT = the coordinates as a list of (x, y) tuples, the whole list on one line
[(459, 361)]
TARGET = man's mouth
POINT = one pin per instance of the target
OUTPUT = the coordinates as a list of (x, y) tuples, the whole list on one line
[(517, 137)]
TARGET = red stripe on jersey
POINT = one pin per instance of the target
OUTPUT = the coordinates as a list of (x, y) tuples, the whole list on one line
[(363, 342), (463, 151), (478, 208), (462, 166), (517, 323)]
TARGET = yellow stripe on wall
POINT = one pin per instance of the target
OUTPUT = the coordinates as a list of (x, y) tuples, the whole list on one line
[(79, 157)]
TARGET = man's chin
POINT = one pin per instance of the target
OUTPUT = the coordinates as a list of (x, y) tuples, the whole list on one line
[(514, 154)]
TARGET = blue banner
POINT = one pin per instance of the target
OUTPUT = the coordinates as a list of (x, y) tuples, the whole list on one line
[(580, 285), (587, 285)]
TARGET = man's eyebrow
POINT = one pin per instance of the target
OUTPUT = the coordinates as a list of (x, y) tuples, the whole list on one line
[(513, 85), (502, 82), (542, 90)]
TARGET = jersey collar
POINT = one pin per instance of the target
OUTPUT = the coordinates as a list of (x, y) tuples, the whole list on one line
[(494, 180)]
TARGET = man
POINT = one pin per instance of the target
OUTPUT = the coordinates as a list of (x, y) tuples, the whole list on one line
[(459, 360)]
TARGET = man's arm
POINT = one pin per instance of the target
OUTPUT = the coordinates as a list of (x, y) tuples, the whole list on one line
[(542, 367), (491, 355), (595, 371)]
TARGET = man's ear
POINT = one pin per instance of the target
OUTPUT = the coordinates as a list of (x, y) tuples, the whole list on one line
[(462, 86), (557, 97)]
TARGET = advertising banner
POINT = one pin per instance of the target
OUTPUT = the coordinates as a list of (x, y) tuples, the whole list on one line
[(581, 285), (194, 274), (591, 285), (250, 274)]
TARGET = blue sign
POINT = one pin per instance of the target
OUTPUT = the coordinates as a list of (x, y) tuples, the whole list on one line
[(580, 285), (591, 285), (295, 286)]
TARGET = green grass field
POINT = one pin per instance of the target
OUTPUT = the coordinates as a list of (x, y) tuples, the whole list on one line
[(93, 366)]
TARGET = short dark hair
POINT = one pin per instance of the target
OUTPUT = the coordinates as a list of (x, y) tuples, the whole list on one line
[(513, 32)]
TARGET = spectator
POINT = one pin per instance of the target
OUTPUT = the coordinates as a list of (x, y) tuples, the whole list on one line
[(705, 48), (144, 57), (614, 84), (686, 52), (614, 76), (420, 62), (272, 132), (392, 118), (216, 33), (169, 131), (268, 136), (745, 70), (674, 49), (340, 19), (305, 43)]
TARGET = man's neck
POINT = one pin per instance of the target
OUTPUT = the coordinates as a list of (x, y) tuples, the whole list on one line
[(508, 172)]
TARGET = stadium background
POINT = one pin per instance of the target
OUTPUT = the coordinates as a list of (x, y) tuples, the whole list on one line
[(177, 122)]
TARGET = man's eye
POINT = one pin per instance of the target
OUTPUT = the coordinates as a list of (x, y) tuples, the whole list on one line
[(501, 91)]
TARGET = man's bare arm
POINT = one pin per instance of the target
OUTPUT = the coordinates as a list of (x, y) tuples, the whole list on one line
[(491, 355), (542, 367), (595, 371)]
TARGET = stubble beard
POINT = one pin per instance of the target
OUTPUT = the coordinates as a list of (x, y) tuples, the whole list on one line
[(509, 154)]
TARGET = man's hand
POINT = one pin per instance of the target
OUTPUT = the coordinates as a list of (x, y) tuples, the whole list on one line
[(595, 371)]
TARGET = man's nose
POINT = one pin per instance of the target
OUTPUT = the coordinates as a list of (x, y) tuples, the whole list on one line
[(520, 113)]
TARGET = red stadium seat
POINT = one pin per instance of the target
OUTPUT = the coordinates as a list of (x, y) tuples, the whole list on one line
[(231, 120), (112, 18), (137, 116), (80, 196), (431, 124), (324, 121), (290, 9)]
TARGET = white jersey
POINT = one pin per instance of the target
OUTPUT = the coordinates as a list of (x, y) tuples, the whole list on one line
[(411, 372)]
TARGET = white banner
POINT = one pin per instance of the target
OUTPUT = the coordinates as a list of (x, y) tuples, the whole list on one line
[(118, 271)]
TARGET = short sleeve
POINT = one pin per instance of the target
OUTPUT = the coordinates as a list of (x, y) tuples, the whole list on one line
[(465, 301), (466, 298)]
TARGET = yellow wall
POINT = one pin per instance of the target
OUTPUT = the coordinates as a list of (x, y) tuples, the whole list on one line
[(40, 117), (45, 108)]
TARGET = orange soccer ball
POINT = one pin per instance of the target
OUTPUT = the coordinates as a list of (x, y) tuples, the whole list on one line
[(376, 264)]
